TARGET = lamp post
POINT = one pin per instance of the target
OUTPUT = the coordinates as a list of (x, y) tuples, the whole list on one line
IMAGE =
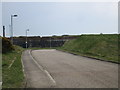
[(26, 37), (41, 42), (3, 31), (50, 42), (12, 27)]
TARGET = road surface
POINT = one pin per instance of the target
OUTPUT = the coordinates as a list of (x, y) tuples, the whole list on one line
[(49, 68)]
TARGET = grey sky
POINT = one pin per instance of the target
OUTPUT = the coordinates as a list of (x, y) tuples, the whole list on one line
[(58, 18)]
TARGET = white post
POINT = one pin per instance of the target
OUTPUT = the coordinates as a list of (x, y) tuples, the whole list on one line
[(26, 37)]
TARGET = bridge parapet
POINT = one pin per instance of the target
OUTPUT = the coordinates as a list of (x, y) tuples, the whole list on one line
[(38, 41)]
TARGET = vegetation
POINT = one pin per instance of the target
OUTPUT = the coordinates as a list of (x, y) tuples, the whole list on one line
[(103, 46), (6, 45), (12, 73)]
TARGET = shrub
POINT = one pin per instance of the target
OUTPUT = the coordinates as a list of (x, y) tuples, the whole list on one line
[(6, 45)]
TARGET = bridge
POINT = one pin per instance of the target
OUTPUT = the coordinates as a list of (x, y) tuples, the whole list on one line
[(37, 41)]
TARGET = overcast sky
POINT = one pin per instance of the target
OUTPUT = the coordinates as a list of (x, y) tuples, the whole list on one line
[(58, 18)]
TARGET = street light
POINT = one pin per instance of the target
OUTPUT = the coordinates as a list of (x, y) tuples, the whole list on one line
[(50, 42), (26, 37), (12, 27)]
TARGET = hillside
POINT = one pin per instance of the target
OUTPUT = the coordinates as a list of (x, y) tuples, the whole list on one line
[(103, 46)]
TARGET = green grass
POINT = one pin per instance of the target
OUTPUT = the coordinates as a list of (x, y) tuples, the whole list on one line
[(12, 77), (103, 46)]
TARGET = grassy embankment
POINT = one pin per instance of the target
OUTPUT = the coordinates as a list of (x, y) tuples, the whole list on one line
[(101, 46), (12, 73)]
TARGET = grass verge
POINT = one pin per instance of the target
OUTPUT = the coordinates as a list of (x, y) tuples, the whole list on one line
[(12, 74), (104, 46)]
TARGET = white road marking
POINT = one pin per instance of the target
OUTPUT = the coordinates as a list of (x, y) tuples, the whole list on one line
[(51, 78), (22, 62), (11, 63), (36, 62), (45, 71)]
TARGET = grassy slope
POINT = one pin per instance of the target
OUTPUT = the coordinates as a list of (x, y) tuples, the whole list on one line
[(98, 46), (12, 77)]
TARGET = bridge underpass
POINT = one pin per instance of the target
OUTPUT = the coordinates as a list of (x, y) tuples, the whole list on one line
[(42, 42), (46, 43), (32, 42)]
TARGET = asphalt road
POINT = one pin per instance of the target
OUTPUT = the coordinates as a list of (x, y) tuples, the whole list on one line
[(56, 69)]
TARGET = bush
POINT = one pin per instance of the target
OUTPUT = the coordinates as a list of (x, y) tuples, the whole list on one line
[(6, 45)]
